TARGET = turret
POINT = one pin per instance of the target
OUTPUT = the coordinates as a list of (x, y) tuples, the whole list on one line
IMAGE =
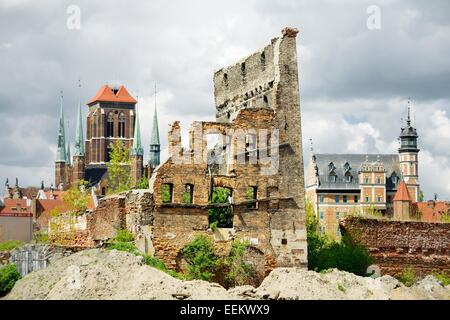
[(137, 153), (155, 146), (61, 156), (408, 154), (79, 161)]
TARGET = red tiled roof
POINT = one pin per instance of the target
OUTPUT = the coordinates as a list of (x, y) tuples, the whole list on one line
[(15, 208), (433, 210), (402, 193), (106, 94)]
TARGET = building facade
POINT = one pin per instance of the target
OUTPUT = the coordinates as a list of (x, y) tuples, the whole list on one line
[(342, 184)]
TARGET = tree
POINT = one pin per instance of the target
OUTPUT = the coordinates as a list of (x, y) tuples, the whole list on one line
[(421, 196), (222, 216), (76, 200), (201, 257), (119, 168)]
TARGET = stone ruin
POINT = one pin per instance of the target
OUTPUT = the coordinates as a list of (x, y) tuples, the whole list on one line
[(258, 147)]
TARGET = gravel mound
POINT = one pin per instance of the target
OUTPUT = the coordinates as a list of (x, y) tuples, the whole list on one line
[(103, 274)]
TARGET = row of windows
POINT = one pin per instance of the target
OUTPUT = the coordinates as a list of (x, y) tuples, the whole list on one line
[(345, 199), (188, 195), (110, 125), (337, 199)]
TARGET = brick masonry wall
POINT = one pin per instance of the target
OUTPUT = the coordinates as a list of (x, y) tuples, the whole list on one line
[(396, 245)]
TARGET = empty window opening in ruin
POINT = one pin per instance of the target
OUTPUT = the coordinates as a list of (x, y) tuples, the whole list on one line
[(266, 101), (284, 241), (122, 125), (221, 216), (216, 146), (110, 125), (252, 197), (243, 72), (225, 79), (167, 193), (188, 194)]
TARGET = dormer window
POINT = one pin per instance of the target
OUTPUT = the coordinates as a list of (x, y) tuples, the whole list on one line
[(332, 178), (331, 167), (348, 178)]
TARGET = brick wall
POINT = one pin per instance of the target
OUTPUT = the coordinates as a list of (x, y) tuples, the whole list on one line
[(396, 245)]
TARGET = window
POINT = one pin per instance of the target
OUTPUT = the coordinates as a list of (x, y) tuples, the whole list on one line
[(188, 193), (378, 180), (332, 178), (284, 241), (355, 199), (337, 215), (367, 199), (251, 148), (344, 199), (110, 125), (366, 180), (394, 180), (336, 199), (243, 70), (378, 199), (167, 193), (225, 79), (122, 125), (265, 100), (348, 178), (252, 193), (321, 215), (321, 199), (108, 154)]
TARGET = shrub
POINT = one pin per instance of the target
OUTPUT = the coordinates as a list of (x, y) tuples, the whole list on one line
[(8, 277), (40, 236), (123, 246), (10, 245), (325, 253), (123, 235), (239, 271), (407, 277), (443, 277), (201, 258)]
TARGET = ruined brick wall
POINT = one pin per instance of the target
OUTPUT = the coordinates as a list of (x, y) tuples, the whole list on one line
[(108, 217), (396, 245)]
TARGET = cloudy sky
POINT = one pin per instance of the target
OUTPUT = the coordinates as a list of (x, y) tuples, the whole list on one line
[(354, 81)]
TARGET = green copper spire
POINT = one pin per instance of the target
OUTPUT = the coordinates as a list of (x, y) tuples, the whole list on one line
[(61, 151), (136, 149), (154, 140), (79, 136), (68, 156)]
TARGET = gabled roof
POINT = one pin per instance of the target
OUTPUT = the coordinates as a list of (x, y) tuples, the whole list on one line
[(106, 94), (402, 193), (15, 208)]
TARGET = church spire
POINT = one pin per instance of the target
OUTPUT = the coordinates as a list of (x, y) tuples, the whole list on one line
[(68, 156), (154, 140), (136, 149), (61, 155), (79, 136)]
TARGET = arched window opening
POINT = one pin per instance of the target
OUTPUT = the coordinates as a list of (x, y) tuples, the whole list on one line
[(122, 125), (110, 125)]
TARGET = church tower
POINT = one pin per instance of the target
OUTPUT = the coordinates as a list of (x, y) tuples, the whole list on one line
[(61, 156), (79, 155), (155, 145), (137, 154), (408, 153), (110, 118)]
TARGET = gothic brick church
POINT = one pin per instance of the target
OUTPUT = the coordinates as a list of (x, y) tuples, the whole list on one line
[(112, 115)]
